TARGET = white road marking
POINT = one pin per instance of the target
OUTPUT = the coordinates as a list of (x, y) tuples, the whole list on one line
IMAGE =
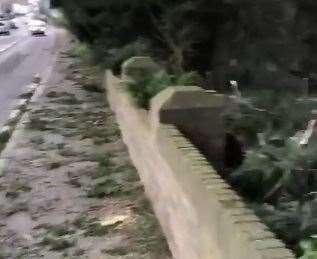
[(8, 46)]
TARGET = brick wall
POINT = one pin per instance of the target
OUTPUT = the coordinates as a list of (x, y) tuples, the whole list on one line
[(201, 216)]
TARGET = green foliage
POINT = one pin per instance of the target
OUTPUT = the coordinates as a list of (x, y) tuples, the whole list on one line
[(59, 230), (277, 114), (278, 174), (267, 38), (266, 123), (96, 229), (310, 248), (190, 78), (84, 52), (143, 90), (104, 183), (174, 36), (57, 244), (277, 168), (137, 48), (104, 186), (292, 221)]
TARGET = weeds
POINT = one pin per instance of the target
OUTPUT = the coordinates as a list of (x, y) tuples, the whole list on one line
[(104, 186), (36, 123), (277, 176), (58, 237), (23, 254), (74, 182), (84, 52), (100, 141), (17, 207), (67, 100), (96, 229), (148, 236), (57, 244), (91, 226), (104, 165), (121, 251), (59, 230), (103, 160), (54, 94), (54, 165), (16, 188)]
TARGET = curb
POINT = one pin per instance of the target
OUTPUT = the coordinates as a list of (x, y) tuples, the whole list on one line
[(16, 114)]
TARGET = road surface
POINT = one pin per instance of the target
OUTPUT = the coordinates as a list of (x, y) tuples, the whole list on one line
[(21, 57)]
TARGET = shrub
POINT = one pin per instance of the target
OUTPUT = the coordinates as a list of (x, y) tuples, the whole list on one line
[(84, 52), (190, 78), (278, 174), (143, 90), (293, 222), (278, 114), (275, 169), (309, 247), (115, 60)]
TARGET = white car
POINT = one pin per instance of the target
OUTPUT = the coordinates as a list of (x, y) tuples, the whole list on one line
[(37, 27), (4, 28)]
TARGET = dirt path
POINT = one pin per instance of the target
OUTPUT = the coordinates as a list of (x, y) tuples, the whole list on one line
[(68, 189)]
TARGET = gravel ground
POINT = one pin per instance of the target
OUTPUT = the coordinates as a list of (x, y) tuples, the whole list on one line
[(67, 186)]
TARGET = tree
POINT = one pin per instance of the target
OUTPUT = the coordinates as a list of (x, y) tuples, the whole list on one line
[(182, 33), (248, 40)]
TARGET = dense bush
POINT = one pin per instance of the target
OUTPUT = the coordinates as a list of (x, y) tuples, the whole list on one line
[(309, 247), (144, 89), (181, 33), (278, 175), (115, 59), (247, 40), (271, 112), (84, 52)]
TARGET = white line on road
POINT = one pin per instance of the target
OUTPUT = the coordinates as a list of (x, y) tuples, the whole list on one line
[(8, 46)]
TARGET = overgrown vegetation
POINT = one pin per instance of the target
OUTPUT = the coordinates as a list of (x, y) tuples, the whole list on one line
[(118, 56), (275, 114), (277, 176), (309, 247), (253, 41), (145, 88), (84, 52)]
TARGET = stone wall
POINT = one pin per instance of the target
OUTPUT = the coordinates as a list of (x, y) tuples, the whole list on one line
[(201, 216)]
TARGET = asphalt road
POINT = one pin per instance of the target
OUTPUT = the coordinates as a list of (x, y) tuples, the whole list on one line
[(21, 57)]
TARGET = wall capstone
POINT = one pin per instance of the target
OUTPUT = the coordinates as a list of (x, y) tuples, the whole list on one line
[(197, 114)]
